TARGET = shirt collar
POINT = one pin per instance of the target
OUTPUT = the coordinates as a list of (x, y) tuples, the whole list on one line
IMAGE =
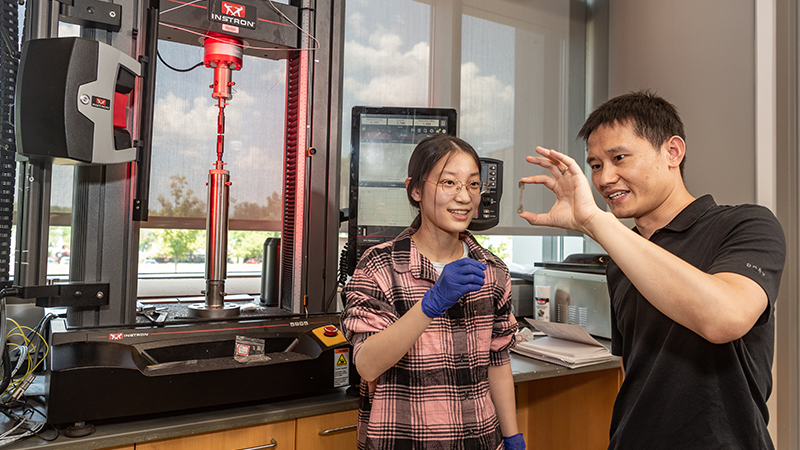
[(405, 256), (689, 215)]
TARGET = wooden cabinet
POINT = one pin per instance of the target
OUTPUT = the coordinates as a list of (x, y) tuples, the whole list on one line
[(564, 412), (234, 439), (569, 411), (336, 431)]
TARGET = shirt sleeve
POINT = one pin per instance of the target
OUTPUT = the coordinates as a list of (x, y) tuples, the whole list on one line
[(754, 246), (367, 309), (505, 324)]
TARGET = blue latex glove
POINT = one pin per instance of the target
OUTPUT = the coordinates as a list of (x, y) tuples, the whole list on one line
[(515, 442), (457, 279)]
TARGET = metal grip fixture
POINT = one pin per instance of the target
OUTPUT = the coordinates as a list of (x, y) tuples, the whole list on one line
[(216, 247), (223, 54)]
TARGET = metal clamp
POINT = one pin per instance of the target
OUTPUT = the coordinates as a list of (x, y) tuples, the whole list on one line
[(337, 430), (92, 14), (272, 444), (76, 294)]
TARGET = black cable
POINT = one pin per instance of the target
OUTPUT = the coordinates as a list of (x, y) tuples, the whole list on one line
[(175, 69), (52, 428), (44, 416), (342, 276), (46, 318), (38, 333), (343, 265)]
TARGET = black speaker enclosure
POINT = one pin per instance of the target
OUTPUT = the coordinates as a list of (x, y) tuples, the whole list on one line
[(67, 93)]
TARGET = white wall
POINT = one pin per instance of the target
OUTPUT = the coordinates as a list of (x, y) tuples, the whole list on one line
[(700, 55), (715, 60)]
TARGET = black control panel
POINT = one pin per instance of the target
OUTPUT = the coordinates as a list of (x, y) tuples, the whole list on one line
[(382, 140), (488, 214)]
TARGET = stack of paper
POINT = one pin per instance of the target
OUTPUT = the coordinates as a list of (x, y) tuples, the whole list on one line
[(567, 345)]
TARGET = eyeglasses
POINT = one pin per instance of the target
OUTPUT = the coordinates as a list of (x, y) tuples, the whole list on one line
[(453, 187)]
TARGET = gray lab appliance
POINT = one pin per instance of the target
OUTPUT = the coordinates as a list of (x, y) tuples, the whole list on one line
[(578, 293)]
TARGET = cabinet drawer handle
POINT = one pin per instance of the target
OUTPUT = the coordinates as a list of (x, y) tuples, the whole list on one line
[(337, 430), (272, 444)]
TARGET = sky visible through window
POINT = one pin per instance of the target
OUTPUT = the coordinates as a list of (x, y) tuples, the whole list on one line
[(184, 134), (386, 56), (387, 62), (487, 85)]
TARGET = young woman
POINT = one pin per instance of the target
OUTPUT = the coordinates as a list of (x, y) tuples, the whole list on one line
[(429, 318)]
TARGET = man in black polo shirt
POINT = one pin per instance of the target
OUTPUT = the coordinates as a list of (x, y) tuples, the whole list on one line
[(692, 286)]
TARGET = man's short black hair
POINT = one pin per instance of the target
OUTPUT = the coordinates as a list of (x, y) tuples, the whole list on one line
[(650, 117)]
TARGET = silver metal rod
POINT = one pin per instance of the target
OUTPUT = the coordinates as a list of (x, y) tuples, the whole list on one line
[(216, 248), (217, 235)]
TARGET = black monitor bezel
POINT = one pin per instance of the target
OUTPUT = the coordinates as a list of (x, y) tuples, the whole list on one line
[(355, 148)]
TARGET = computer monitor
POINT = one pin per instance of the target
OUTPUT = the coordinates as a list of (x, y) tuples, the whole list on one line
[(381, 142)]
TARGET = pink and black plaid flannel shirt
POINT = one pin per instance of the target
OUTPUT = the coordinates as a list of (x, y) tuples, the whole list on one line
[(437, 395)]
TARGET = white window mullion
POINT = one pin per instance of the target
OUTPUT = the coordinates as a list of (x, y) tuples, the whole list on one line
[(445, 81)]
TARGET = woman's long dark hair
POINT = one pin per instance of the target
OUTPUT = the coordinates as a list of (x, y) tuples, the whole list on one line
[(426, 155)]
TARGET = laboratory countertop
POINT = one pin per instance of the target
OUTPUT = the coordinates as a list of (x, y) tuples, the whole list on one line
[(221, 418)]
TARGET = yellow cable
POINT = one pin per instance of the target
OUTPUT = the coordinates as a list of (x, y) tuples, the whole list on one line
[(19, 331), (46, 352)]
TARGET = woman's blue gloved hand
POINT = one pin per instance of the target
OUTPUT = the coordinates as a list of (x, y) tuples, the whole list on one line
[(515, 442), (457, 279)]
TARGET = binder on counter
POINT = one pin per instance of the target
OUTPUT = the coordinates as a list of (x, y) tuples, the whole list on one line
[(567, 345)]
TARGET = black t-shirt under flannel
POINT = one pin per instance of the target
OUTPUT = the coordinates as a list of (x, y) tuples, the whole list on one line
[(681, 391)]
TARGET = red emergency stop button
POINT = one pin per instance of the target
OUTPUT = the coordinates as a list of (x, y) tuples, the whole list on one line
[(330, 331)]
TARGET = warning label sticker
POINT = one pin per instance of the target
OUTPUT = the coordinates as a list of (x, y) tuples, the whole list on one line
[(341, 367)]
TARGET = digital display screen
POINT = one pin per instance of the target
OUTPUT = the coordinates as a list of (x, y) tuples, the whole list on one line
[(386, 142), (382, 140)]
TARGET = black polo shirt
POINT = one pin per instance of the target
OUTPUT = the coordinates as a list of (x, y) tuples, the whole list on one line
[(681, 391)]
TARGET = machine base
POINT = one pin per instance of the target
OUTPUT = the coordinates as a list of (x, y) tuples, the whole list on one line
[(206, 312), (109, 373)]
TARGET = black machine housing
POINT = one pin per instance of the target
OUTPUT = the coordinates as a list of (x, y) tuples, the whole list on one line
[(66, 98), (124, 371), (104, 363), (267, 33), (489, 211)]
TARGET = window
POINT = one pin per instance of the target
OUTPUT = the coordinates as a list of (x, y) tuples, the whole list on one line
[(184, 149), (504, 65), (514, 92), (386, 62), (511, 89)]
